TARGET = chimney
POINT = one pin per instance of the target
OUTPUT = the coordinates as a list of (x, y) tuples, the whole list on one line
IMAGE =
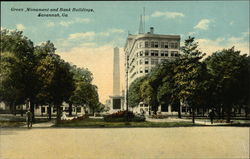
[(151, 30)]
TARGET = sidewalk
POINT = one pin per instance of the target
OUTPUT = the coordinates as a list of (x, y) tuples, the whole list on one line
[(43, 124), (197, 121)]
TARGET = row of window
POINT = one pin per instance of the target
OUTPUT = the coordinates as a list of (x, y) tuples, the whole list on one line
[(157, 44), (146, 70), (146, 61), (77, 109), (143, 105), (156, 53)]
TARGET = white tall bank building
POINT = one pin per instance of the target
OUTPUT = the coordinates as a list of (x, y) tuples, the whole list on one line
[(144, 51)]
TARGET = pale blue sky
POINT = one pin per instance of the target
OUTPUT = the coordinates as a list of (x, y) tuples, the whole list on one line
[(226, 19), (87, 39)]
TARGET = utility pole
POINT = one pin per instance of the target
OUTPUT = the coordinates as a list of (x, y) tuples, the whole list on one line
[(127, 62)]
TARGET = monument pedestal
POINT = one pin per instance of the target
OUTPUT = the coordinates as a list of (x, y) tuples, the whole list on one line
[(117, 103)]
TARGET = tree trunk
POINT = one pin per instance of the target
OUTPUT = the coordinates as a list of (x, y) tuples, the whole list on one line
[(49, 111), (14, 108), (179, 111), (22, 110), (246, 111), (32, 110), (58, 113), (229, 110), (193, 116), (222, 113), (70, 109), (155, 112), (93, 111), (219, 112)]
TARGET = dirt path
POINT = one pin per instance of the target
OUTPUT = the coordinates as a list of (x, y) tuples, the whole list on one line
[(125, 143)]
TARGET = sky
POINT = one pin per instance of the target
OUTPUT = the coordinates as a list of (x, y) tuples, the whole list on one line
[(86, 38)]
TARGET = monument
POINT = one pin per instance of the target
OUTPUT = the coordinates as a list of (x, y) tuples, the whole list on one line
[(116, 99)]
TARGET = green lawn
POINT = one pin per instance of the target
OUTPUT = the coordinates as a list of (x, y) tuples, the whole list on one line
[(102, 123)]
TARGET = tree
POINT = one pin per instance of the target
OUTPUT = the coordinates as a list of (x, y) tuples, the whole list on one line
[(57, 81), (45, 68), (188, 74), (83, 88), (134, 92), (149, 88), (229, 69), (10, 93), (93, 98), (166, 93), (23, 78)]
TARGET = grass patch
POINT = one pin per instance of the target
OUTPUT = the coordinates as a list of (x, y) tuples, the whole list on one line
[(100, 123), (11, 124)]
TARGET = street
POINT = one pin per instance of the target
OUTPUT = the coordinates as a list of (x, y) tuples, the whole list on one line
[(114, 143)]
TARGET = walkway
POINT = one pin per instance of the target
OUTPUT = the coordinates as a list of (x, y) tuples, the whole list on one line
[(43, 124), (197, 121)]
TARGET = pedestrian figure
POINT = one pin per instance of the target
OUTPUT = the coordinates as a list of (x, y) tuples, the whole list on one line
[(211, 115), (29, 119)]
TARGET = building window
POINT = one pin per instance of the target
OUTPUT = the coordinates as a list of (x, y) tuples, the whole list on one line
[(165, 44), (78, 109), (141, 53), (162, 44), (154, 61), (174, 53), (140, 61), (156, 53), (156, 44), (152, 44), (145, 105), (166, 53), (146, 44), (140, 45), (146, 53), (137, 54), (162, 53), (152, 53), (173, 45), (146, 61), (141, 70)]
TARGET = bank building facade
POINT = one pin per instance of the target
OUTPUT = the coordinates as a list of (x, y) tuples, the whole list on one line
[(143, 52)]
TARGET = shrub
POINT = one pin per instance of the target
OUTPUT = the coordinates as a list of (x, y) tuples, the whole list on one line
[(123, 116)]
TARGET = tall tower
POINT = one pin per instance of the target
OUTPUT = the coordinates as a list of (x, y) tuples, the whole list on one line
[(116, 73), (116, 100)]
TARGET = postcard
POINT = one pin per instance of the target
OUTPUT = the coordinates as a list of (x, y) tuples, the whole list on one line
[(124, 79)]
